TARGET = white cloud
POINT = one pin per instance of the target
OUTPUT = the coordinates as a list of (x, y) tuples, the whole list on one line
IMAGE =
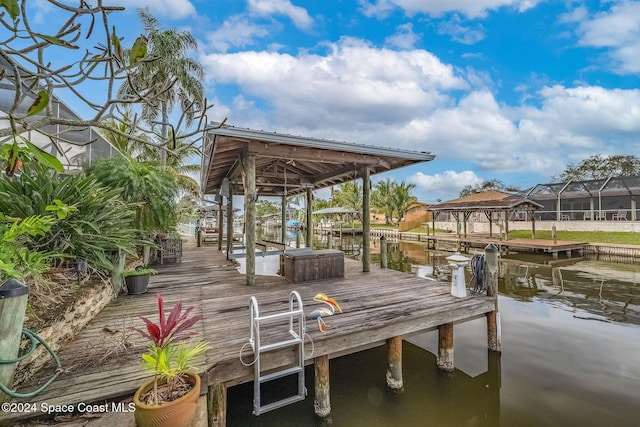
[(619, 30), (461, 33), (443, 184), (469, 8), (172, 9), (404, 38), (298, 15), (235, 32), (353, 85)]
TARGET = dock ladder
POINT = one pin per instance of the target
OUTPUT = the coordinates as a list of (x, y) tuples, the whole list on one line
[(294, 338)]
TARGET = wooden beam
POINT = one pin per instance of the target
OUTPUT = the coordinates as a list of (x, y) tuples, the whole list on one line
[(230, 224), (366, 220), (314, 155), (249, 178), (309, 239)]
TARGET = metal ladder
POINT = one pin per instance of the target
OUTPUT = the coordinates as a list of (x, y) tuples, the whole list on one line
[(295, 314)]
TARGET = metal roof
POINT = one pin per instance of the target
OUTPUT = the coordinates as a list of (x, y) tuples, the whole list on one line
[(288, 164)]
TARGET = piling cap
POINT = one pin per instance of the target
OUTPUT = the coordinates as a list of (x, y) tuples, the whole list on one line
[(12, 288), (457, 257)]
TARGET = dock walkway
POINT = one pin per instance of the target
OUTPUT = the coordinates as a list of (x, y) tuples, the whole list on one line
[(532, 245), (103, 362)]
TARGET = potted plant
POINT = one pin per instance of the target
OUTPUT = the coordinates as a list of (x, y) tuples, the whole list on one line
[(171, 397), (137, 279)]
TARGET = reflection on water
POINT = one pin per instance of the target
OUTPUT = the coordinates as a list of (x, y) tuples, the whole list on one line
[(571, 342)]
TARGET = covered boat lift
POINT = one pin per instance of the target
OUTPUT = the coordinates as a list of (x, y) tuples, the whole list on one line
[(252, 163), (488, 202)]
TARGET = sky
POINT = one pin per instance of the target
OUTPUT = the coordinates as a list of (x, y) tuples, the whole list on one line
[(513, 90)]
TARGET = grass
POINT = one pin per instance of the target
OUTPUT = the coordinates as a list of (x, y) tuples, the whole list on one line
[(615, 237)]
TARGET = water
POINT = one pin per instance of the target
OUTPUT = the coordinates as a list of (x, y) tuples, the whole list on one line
[(571, 347)]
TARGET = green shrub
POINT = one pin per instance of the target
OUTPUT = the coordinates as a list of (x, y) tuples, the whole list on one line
[(152, 191), (100, 226)]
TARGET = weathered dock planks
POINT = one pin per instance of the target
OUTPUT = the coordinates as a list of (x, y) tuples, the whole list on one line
[(378, 306)]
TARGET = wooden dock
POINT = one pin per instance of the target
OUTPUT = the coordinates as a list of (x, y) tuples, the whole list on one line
[(530, 245), (103, 362)]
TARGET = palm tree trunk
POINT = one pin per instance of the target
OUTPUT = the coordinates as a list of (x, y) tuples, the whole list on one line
[(165, 136)]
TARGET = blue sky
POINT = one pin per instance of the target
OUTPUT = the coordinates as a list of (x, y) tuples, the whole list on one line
[(506, 89)]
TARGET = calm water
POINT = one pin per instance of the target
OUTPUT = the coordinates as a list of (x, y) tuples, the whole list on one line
[(571, 355)]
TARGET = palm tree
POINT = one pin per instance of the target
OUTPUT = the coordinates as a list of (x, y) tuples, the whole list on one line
[(381, 198), (348, 195), (169, 77), (401, 198), (126, 126)]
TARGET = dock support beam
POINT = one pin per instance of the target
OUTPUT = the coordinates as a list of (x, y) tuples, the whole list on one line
[(445, 347), (230, 223), (322, 403), (309, 239), (394, 366), (250, 198), (366, 220), (220, 225), (493, 318), (383, 252), (217, 405)]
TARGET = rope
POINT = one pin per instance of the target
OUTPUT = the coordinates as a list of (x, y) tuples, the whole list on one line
[(478, 267), (257, 356), (32, 337)]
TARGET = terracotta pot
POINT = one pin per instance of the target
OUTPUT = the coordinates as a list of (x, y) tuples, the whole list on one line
[(178, 413)]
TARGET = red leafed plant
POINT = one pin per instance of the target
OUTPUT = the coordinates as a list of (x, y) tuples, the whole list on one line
[(169, 356)]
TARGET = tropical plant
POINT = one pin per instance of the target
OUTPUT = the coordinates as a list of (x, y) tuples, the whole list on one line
[(170, 77), (348, 195), (381, 198), (149, 189), (139, 271), (101, 223), (170, 355), (16, 260), (401, 198)]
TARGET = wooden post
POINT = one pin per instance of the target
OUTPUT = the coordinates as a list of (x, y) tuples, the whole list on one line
[(13, 304), (217, 405), (220, 225), (283, 218), (229, 223), (394, 366), (309, 239), (366, 220), (322, 403), (445, 347), (493, 318), (250, 196), (383, 252), (490, 223), (533, 225)]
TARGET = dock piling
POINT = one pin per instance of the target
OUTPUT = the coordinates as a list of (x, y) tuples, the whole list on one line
[(493, 317), (445, 347), (322, 402), (383, 252), (217, 405), (394, 366)]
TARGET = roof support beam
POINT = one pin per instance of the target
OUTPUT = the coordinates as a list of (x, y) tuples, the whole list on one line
[(313, 154)]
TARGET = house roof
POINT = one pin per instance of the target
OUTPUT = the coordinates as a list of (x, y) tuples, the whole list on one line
[(486, 200), (288, 164)]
